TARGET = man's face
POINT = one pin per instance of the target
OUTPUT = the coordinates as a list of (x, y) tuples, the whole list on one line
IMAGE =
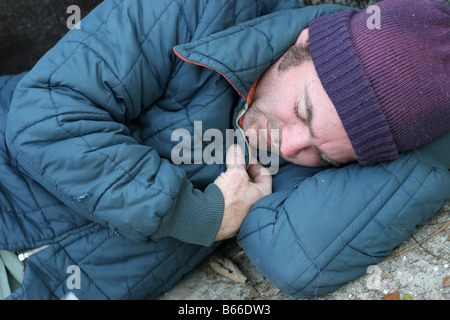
[(293, 102)]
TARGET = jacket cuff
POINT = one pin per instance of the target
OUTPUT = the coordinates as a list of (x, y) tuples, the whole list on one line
[(195, 217)]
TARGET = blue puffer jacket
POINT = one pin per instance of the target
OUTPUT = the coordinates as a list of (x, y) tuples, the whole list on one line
[(86, 172)]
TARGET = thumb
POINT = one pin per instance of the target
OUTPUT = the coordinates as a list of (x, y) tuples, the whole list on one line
[(262, 177), (235, 157)]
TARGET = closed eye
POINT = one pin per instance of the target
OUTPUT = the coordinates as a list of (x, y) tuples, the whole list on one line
[(297, 113), (305, 103)]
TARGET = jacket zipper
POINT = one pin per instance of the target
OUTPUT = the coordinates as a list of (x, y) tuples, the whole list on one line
[(239, 116), (27, 254)]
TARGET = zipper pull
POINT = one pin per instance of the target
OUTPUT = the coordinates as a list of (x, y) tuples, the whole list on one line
[(26, 254), (23, 256)]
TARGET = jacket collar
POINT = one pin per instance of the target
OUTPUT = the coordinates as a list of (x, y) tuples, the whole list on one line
[(242, 53)]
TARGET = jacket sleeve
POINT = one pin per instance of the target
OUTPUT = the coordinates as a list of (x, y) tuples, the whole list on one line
[(319, 230), (68, 124)]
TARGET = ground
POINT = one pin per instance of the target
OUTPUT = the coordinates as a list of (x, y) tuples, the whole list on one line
[(421, 273)]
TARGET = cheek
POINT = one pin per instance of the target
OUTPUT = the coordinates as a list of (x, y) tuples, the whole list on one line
[(251, 118)]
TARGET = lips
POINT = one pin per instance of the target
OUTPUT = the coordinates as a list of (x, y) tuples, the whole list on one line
[(269, 138)]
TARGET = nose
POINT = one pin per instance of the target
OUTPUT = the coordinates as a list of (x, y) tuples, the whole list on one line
[(295, 138)]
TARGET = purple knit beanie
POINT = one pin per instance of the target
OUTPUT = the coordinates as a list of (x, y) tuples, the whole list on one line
[(390, 86)]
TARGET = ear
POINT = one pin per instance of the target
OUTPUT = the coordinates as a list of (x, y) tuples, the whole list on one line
[(304, 37)]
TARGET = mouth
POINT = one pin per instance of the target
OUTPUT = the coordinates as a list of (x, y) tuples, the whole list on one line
[(268, 137)]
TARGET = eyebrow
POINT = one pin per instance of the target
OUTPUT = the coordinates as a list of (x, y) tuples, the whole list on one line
[(308, 120), (308, 108)]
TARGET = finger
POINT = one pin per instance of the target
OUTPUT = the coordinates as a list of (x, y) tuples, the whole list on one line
[(260, 175), (235, 157)]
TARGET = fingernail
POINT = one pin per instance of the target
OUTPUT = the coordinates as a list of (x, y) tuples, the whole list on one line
[(237, 149)]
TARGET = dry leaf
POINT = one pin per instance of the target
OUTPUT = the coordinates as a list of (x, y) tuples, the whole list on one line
[(227, 268), (237, 255), (253, 292), (392, 296), (272, 291), (407, 296), (388, 276), (446, 282)]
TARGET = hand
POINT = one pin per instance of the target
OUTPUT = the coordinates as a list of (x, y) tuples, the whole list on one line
[(241, 190)]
